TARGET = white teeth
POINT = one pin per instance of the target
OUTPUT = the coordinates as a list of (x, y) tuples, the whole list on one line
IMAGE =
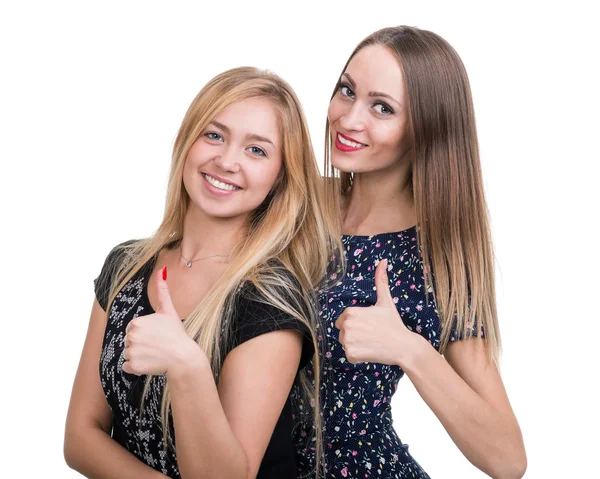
[(220, 184), (343, 141)]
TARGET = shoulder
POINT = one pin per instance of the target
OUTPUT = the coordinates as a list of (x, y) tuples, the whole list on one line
[(114, 262), (272, 301), (276, 288), (120, 252)]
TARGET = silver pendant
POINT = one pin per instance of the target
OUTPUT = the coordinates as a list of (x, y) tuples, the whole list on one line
[(189, 264)]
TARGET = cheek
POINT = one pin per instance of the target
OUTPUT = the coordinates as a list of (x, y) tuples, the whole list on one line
[(335, 110), (264, 176), (390, 136)]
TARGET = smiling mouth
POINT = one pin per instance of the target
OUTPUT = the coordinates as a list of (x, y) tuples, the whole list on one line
[(351, 144), (346, 145), (219, 184)]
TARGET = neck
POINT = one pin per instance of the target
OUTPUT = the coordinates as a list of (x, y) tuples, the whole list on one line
[(380, 201), (205, 235)]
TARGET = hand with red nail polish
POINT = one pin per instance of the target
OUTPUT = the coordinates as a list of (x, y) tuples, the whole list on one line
[(158, 343)]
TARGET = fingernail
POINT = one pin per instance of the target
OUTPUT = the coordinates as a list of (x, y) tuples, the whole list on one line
[(164, 273)]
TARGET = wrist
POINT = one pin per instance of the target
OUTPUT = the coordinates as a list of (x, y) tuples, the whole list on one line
[(412, 349), (189, 361)]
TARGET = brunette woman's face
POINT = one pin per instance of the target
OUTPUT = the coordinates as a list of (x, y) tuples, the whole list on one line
[(368, 115), (232, 166)]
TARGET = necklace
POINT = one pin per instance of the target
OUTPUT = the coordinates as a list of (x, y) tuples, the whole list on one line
[(189, 263)]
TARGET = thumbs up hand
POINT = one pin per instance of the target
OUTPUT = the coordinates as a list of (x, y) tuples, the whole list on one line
[(157, 343), (375, 333)]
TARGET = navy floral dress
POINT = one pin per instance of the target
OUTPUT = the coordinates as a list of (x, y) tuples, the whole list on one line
[(359, 438)]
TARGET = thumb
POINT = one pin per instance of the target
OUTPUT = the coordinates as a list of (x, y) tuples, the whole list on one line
[(384, 297), (165, 305)]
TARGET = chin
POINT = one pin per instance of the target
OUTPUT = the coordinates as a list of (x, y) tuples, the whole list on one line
[(344, 165)]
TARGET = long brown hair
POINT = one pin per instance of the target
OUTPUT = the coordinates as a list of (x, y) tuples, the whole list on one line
[(452, 216), (288, 240)]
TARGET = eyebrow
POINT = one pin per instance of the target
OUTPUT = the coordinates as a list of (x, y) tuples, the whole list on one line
[(371, 93), (249, 136)]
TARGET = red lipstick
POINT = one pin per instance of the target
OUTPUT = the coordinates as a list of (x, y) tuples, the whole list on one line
[(347, 148)]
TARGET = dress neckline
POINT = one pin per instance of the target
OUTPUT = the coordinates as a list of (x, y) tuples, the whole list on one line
[(411, 229)]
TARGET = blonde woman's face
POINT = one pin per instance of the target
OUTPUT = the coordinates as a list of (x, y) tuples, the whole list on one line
[(367, 116), (235, 161)]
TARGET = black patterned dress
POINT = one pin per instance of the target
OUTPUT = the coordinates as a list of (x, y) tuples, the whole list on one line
[(142, 434), (360, 440)]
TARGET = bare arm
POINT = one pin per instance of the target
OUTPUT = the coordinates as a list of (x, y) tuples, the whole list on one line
[(466, 393), (464, 390), (224, 431), (88, 447)]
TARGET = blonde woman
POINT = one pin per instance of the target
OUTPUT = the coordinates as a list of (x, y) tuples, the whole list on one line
[(241, 248), (419, 276)]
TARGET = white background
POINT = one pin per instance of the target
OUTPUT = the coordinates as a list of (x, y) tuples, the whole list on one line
[(92, 95)]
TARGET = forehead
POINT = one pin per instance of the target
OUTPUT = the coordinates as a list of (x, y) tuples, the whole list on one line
[(254, 116), (376, 68)]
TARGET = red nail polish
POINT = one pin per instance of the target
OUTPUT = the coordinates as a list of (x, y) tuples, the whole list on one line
[(164, 273)]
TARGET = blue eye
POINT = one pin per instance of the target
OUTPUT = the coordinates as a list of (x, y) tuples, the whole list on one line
[(383, 109), (211, 135), (255, 150), (346, 91)]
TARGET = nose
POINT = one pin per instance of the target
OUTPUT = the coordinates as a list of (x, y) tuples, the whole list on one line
[(229, 160), (353, 118)]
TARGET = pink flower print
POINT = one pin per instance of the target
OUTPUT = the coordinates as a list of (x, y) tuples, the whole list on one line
[(354, 453), (328, 354), (357, 252), (376, 402), (395, 300), (353, 301), (419, 307), (344, 472), (354, 415), (353, 266), (333, 276), (360, 277), (412, 286), (363, 432), (376, 373), (398, 283), (378, 245), (418, 329)]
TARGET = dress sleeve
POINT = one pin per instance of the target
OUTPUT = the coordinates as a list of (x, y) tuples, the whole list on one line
[(254, 317), (107, 274), (472, 331)]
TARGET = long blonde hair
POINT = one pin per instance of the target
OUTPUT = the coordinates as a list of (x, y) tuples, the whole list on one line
[(288, 241), (452, 217)]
